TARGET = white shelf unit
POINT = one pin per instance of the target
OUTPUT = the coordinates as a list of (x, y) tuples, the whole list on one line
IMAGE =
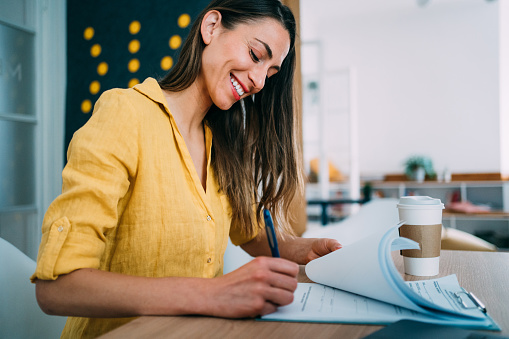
[(494, 194), (330, 122), (493, 226)]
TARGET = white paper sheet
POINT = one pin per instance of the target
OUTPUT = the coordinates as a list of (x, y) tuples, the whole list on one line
[(319, 303), (360, 284), (349, 268)]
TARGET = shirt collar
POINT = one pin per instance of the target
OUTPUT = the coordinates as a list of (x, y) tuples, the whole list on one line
[(150, 88)]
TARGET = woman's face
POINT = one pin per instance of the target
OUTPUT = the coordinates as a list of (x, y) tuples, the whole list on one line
[(236, 63)]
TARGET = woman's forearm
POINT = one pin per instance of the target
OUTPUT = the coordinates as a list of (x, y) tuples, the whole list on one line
[(94, 293), (254, 289)]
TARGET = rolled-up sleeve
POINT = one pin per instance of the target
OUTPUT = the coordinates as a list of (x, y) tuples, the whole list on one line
[(102, 160)]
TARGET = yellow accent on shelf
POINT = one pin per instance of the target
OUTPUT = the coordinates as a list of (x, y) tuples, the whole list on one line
[(335, 174)]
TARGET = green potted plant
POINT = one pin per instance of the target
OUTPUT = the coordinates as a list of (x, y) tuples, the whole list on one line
[(419, 168)]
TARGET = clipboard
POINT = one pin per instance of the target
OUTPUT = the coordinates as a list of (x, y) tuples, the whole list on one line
[(475, 301)]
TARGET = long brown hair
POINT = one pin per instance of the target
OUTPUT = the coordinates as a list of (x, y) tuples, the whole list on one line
[(254, 156)]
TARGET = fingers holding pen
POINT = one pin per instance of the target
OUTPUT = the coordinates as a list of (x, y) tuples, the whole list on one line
[(278, 273), (276, 280), (256, 288)]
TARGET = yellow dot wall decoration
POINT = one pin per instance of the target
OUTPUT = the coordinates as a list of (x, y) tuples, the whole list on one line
[(134, 65), (133, 82), (134, 27), (95, 51), (175, 42), (119, 44), (134, 46), (88, 33), (166, 63), (102, 68), (184, 20), (86, 106), (95, 87)]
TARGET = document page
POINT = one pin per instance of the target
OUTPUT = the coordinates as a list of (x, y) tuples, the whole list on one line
[(447, 293), (319, 303), (315, 302), (346, 269), (359, 284)]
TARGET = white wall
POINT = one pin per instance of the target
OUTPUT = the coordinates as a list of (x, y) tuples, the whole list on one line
[(20, 223), (51, 63), (427, 78), (504, 85)]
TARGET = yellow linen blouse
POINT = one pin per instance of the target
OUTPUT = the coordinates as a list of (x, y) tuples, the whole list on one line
[(132, 201)]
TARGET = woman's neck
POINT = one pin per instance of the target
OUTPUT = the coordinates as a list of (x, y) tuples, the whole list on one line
[(188, 107)]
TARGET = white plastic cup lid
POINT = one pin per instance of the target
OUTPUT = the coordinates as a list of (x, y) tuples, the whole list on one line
[(419, 202)]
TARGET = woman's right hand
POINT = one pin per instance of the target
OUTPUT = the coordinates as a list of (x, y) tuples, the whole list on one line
[(256, 288)]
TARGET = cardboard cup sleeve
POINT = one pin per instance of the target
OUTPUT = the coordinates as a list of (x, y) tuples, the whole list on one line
[(428, 236)]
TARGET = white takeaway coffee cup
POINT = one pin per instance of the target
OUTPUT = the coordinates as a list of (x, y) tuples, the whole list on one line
[(422, 217)]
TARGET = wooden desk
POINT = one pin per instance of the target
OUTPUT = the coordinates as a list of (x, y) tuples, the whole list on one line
[(486, 274)]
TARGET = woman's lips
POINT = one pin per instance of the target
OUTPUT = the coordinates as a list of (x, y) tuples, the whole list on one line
[(235, 94), (237, 87)]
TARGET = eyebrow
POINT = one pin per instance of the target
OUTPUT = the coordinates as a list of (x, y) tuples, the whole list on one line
[(269, 51)]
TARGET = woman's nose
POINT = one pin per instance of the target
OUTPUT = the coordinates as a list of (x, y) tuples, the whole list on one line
[(257, 77)]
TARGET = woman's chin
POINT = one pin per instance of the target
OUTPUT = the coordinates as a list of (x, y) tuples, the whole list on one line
[(225, 105)]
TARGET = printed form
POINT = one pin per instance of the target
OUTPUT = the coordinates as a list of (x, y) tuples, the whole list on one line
[(360, 284), (320, 303)]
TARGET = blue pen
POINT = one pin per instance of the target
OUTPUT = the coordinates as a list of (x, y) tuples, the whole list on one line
[(271, 233)]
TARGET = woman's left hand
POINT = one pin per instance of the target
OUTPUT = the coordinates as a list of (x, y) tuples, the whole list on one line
[(321, 247), (303, 250), (296, 249)]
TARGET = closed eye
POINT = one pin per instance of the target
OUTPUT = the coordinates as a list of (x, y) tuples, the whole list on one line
[(253, 56)]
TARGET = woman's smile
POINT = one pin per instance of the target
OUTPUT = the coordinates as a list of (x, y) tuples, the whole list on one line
[(238, 88), (248, 55)]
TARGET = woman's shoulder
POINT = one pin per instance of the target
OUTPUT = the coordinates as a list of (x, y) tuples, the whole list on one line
[(124, 100), (147, 95), (118, 96)]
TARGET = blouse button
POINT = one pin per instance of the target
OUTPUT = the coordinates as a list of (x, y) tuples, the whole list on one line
[(60, 228), (209, 218), (209, 260)]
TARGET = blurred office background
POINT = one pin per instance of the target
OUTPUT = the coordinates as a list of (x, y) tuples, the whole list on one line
[(381, 81), (384, 81)]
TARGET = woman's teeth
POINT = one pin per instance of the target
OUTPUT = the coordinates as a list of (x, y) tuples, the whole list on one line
[(238, 88)]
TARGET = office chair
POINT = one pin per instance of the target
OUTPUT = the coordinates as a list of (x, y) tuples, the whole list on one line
[(20, 315)]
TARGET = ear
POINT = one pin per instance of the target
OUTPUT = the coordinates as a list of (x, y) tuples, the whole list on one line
[(211, 21)]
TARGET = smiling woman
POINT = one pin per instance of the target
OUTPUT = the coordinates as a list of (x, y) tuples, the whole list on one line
[(164, 172), (248, 46)]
